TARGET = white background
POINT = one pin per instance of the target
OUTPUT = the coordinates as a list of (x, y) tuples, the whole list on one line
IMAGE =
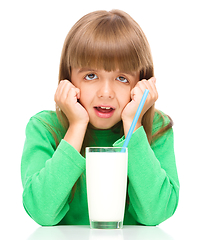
[(31, 38)]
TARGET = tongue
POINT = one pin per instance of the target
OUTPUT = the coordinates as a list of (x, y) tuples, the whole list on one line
[(102, 110)]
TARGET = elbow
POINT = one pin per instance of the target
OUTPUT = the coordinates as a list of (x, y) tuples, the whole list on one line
[(162, 208), (44, 212), (153, 219), (158, 211), (158, 214), (41, 217), (46, 220), (41, 214)]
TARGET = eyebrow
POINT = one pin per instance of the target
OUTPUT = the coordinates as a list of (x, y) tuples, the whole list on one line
[(129, 73), (86, 70)]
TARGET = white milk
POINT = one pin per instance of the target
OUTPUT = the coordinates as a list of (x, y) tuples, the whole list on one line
[(106, 174)]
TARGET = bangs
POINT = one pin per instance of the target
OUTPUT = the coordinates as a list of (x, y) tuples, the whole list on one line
[(106, 43)]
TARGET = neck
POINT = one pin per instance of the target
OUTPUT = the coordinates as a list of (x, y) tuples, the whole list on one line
[(117, 126)]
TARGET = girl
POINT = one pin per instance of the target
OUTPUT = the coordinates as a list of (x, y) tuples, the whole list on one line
[(106, 65)]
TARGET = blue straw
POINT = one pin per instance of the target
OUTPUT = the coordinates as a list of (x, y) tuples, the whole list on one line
[(135, 119)]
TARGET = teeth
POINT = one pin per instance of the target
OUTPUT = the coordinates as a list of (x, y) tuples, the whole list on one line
[(105, 107)]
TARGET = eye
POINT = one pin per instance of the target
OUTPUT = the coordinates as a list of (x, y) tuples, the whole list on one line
[(122, 79), (91, 76)]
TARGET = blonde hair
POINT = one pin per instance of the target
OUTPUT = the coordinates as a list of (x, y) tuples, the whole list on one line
[(110, 41)]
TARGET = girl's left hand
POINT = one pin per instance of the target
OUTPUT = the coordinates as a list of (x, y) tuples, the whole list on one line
[(136, 95)]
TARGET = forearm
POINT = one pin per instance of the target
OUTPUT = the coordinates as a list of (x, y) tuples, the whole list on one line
[(46, 192), (153, 197), (75, 135), (126, 127), (153, 184)]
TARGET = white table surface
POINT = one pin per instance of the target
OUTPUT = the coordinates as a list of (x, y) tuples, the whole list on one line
[(166, 231), (85, 233)]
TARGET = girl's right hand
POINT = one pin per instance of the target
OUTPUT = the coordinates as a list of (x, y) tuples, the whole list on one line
[(66, 97)]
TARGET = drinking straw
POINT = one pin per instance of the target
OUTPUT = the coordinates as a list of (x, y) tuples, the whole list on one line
[(135, 119)]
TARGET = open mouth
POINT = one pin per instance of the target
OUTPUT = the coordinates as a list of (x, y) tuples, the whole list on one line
[(104, 111)]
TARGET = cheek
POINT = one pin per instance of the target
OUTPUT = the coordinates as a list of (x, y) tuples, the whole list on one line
[(125, 99), (125, 102), (85, 97)]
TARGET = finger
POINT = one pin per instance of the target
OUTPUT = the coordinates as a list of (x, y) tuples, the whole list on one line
[(64, 84), (72, 95), (135, 92), (77, 93), (154, 92), (153, 79), (63, 90), (149, 85), (146, 84), (152, 82), (59, 90), (143, 85)]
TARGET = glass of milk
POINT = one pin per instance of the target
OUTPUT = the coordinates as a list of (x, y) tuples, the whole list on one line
[(106, 177)]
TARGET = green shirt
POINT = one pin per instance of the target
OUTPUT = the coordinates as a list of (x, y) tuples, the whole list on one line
[(49, 174)]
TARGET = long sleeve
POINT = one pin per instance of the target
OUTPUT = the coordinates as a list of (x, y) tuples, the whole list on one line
[(48, 174), (153, 187)]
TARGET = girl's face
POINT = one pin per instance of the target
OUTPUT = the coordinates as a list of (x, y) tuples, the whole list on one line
[(104, 94)]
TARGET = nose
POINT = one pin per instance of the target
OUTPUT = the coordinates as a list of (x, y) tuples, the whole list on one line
[(106, 90)]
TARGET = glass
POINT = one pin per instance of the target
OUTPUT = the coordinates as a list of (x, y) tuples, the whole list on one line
[(106, 176)]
